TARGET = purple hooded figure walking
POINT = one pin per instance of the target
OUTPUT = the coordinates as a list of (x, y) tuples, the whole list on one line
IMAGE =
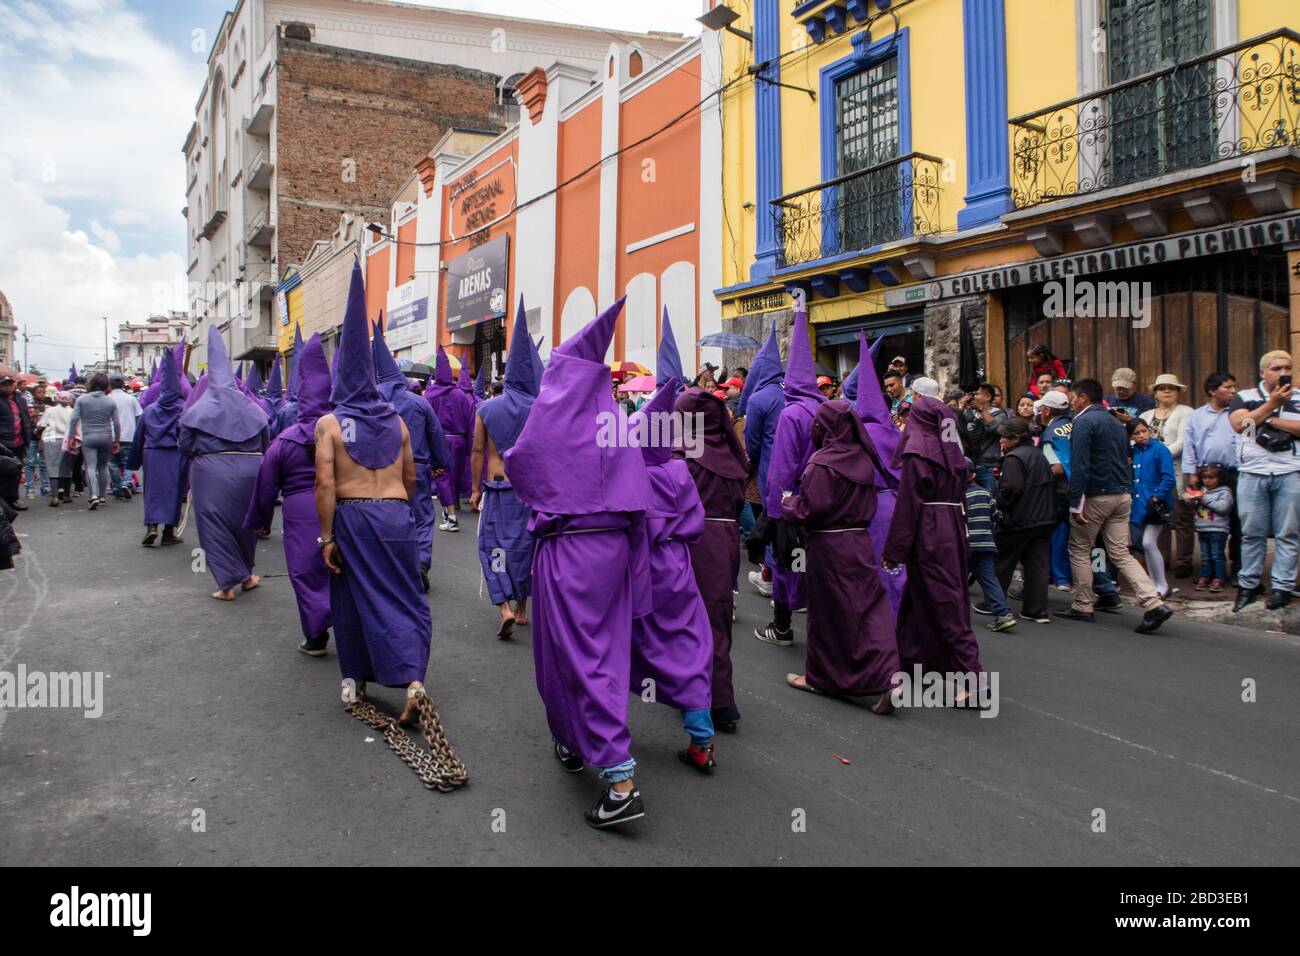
[(428, 446), (791, 450), (862, 387), (365, 477), (505, 545), (289, 470), (588, 494), (851, 646), (928, 535), (287, 413), (455, 411), (672, 646), (224, 435), (156, 449)]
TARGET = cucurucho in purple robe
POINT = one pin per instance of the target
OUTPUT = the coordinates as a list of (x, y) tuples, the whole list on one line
[(851, 645), (156, 449)]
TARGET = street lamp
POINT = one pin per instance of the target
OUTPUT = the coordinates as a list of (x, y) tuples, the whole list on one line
[(722, 17)]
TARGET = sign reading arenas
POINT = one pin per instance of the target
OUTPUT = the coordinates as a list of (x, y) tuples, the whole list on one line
[(476, 284), (1210, 242)]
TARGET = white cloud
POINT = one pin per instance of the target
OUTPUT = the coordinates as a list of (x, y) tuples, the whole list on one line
[(61, 281)]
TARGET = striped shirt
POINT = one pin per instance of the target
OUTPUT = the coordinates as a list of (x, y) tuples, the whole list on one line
[(979, 518)]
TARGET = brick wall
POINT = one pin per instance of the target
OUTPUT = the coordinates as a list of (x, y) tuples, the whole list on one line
[(350, 127)]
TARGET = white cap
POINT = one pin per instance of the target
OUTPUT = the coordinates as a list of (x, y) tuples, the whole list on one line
[(1054, 399), (926, 386)]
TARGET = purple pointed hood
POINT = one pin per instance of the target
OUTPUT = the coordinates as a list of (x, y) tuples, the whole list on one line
[(371, 424), (504, 416), (223, 410), (72, 375), (196, 392), (165, 410), (442, 368), (721, 452), (294, 355), (480, 382), (275, 385), (239, 374), (871, 408), (313, 392), (178, 357), (538, 368), (800, 370), (466, 381), (765, 371), (668, 362), (568, 459), (388, 376), (254, 380)]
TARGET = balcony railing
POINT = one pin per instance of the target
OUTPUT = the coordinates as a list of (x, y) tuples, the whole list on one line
[(888, 201), (1230, 103)]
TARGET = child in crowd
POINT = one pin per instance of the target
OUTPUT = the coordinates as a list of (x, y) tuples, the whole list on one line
[(984, 553), (1153, 498), (1212, 521)]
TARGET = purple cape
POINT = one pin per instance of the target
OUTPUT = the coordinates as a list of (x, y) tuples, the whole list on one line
[(156, 450), (372, 430), (765, 372), (223, 410), (505, 415), (565, 460), (720, 450)]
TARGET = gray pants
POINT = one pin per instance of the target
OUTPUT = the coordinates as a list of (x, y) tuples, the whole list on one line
[(97, 467)]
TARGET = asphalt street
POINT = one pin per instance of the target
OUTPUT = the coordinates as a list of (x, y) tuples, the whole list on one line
[(208, 707)]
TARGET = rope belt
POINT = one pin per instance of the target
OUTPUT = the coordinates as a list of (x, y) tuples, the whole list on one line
[(727, 520), (944, 504), (556, 534), (836, 530)]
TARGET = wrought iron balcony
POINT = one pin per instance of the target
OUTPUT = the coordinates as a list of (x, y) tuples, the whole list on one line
[(888, 201), (1230, 103)]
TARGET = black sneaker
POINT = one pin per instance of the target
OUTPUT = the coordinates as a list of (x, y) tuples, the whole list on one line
[(1278, 600), (315, 646), (1153, 618), (1039, 617), (979, 607), (774, 635), (1109, 603), (570, 761), (1071, 614), (94, 503), (609, 812)]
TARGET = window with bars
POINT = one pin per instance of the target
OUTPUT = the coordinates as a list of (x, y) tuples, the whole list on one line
[(867, 135), (1165, 123)]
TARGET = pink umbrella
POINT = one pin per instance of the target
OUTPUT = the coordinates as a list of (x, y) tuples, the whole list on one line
[(642, 383)]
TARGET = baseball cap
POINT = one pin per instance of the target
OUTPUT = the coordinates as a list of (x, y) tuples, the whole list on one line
[(734, 382), (6, 379), (1054, 399), (1124, 378), (926, 386), (823, 380), (898, 360)]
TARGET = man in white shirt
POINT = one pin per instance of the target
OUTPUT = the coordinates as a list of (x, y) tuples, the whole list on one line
[(128, 413), (1267, 421)]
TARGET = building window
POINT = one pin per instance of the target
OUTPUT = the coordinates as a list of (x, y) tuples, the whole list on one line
[(1167, 122), (867, 137)]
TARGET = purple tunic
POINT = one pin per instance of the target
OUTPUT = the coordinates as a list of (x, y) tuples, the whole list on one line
[(382, 626), (790, 453), (851, 646), (672, 645), (715, 560), (505, 545), (222, 476), (289, 469), (166, 470), (928, 533), (455, 411), (589, 582)]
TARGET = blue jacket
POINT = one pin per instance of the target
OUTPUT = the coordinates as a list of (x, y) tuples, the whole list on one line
[(1099, 451), (764, 408), (1153, 477)]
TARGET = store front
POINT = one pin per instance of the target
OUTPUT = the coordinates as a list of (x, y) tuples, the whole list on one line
[(904, 332)]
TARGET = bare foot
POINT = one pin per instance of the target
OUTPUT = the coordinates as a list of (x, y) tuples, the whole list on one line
[(252, 582), (227, 595), (521, 620), (507, 626)]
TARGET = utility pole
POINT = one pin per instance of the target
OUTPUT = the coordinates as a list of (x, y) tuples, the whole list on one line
[(27, 349), (106, 364)]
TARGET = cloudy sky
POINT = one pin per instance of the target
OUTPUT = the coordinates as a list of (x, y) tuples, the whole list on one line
[(95, 99)]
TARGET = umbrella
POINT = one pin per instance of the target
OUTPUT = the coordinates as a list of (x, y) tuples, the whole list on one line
[(628, 368), (728, 340), (969, 372), (433, 360), (404, 364), (420, 371), (642, 383)]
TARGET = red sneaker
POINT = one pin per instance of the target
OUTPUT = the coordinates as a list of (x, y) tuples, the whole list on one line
[(701, 758)]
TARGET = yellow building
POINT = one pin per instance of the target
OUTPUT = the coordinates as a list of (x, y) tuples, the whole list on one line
[(1115, 179)]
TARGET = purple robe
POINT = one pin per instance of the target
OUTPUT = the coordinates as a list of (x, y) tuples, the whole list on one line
[(715, 561), (790, 453), (851, 647), (672, 645), (928, 534), (455, 411), (222, 476), (382, 625), (289, 469), (166, 470)]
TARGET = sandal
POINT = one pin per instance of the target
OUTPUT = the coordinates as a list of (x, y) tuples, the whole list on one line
[(799, 682)]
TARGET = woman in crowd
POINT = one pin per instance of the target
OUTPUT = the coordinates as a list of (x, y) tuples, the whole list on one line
[(1153, 498), (96, 413), (1167, 422), (54, 431)]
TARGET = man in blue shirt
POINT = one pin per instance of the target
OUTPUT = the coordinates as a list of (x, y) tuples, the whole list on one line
[(1101, 482), (1127, 401)]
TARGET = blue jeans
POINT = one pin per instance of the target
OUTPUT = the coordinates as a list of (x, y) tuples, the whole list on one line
[(985, 478), (699, 724), (1214, 565), (36, 465), (1061, 555), (983, 566), (624, 771), (117, 472), (1268, 505)]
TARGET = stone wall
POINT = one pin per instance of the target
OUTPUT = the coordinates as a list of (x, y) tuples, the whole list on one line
[(943, 339)]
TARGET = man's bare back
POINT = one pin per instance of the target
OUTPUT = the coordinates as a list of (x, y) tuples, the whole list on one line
[(351, 480)]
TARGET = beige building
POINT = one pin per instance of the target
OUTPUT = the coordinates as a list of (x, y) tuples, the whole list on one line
[(8, 334)]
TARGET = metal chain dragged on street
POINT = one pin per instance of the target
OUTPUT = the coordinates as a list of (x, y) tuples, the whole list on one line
[(439, 768)]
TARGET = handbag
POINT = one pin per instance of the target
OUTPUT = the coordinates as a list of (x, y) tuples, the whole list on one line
[(1158, 511), (1273, 439)]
